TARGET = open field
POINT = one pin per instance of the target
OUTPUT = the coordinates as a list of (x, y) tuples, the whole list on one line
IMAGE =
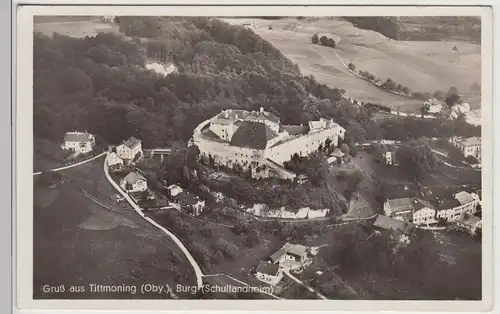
[(78, 27), (422, 66), (78, 242)]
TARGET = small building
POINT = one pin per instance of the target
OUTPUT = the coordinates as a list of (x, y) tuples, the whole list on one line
[(401, 230), (174, 189), (331, 160), (301, 178), (269, 273), (80, 142), (189, 202), (114, 162), (412, 209), (389, 158), (452, 209), (290, 256), (470, 223), (338, 154), (130, 149), (134, 182), (470, 146), (433, 105)]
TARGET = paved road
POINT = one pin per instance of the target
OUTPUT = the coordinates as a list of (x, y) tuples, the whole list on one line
[(297, 280), (192, 261), (73, 165)]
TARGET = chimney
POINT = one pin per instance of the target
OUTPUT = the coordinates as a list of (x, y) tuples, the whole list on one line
[(261, 109)]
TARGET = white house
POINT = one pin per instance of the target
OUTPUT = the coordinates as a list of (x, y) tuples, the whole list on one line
[(412, 210), (192, 204), (390, 158), (290, 256), (134, 182), (269, 273), (80, 142), (129, 149), (114, 162), (470, 146), (433, 105), (399, 229), (470, 223), (174, 189), (453, 209)]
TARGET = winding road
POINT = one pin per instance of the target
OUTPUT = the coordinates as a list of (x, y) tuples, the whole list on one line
[(73, 165), (192, 261)]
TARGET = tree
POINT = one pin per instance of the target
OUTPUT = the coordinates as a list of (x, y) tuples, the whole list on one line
[(452, 90), (452, 100), (425, 108), (351, 66), (416, 158), (252, 239), (217, 258), (471, 160), (438, 95), (315, 39), (345, 148)]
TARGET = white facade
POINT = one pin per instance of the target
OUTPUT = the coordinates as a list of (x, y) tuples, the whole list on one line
[(114, 161), (424, 215), (175, 190), (128, 150), (80, 142), (134, 183), (278, 148), (466, 205)]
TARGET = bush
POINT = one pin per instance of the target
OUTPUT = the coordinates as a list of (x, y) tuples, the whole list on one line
[(315, 39), (471, 160), (351, 66), (227, 248), (252, 239)]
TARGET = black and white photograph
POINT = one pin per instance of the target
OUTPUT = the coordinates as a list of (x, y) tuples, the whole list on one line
[(259, 157)]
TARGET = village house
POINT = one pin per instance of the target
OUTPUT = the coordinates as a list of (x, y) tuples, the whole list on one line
[(192, 204), (433, 105), (79, 142), (290, 256), (413, 210), (470, 146), (257, 143), (389, 158), (399, 229), (301, 178), (452, 209), (129, 149), (134, 182), (114, 162), (470, 223), (269, 273)]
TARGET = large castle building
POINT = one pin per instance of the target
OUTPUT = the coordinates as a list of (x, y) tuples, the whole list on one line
[(256, 141)]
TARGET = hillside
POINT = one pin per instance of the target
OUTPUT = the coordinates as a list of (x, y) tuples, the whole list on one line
[(422, 66)]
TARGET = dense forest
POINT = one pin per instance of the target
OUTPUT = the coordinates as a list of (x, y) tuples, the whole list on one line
[(99, 84)]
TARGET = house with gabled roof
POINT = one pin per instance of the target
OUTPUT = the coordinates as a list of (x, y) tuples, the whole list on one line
[(130, 149), (269, 273), (401, 230), (80, 142), (290, 256), (452, 209), (470, 223), (134, 182), (412, 209)]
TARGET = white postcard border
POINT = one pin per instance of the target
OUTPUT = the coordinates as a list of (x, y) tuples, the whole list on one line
[(23, 132)]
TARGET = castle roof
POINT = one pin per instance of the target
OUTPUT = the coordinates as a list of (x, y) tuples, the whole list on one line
[(252, 135)]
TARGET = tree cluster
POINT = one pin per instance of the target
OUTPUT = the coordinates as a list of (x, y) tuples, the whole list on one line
[(100, 84), (416, 158)]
